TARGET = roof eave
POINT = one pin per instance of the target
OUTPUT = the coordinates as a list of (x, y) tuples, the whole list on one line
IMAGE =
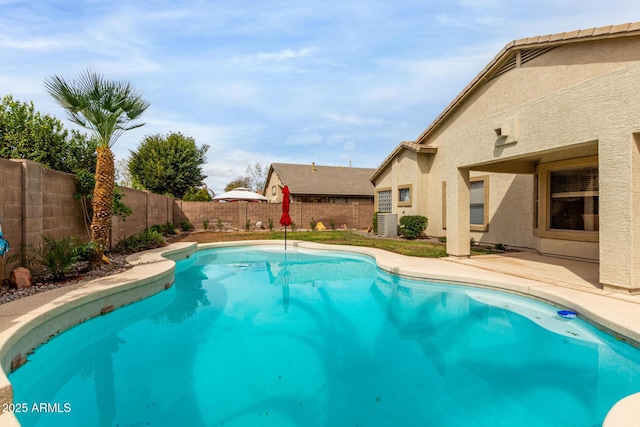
[(405, 145), (551, 40)]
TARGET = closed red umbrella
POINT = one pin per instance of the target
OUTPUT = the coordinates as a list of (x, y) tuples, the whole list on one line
[(285, 219)]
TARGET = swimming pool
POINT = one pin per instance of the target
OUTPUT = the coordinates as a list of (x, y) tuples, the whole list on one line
[(255, 336)]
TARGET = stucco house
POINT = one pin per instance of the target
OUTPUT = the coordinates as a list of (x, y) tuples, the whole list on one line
[(520, 155), (313, 183)]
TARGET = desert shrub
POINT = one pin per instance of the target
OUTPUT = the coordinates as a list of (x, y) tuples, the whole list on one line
[(164, 229), (374, 222), (220, 225), (313, 224), (247, 224), (205, 224), (58, 256), (147, 239), (270, 224), (185, 225), (85, 251), (412, 225), (332, 224)]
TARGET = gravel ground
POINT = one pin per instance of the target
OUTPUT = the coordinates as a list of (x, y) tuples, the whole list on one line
[(43, 283)]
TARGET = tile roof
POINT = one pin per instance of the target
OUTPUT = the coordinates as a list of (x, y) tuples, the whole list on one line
[(325, 180), (538, 42)]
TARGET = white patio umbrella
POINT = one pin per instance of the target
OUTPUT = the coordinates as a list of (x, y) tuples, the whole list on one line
[(240, 193)]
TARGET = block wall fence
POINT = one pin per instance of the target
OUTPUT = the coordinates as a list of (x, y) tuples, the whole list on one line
[(36, 201)]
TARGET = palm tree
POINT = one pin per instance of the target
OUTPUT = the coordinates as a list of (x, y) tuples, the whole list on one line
[(107, 108)]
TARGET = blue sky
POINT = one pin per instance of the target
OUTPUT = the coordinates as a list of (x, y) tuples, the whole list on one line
[(331, 82)]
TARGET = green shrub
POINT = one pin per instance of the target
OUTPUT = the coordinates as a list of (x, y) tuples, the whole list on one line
[(247, 224), (169, 228), (57, 256), (374, 222), (185, 225), (332, 224), (220, 225), (147, 239), (270, 224), (205, 224), (500, 247), (193, 195), (312, 224), (412, 225), (85, 251), (293, 226), (164, 229)]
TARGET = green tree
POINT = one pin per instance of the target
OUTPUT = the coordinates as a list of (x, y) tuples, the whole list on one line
[(168, 164), (108, 109), (241, 181), (200, 195), (28, 134)]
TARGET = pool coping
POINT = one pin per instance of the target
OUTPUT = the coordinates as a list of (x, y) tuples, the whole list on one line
[(29, 322)]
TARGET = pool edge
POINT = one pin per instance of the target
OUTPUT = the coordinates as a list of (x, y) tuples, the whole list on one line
[(588, 304), (31, 321)]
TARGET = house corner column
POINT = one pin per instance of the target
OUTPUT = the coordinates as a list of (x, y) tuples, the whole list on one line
[(619, 221), (458, 213)]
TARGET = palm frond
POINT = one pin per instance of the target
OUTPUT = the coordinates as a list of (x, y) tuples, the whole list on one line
[(105, 107)]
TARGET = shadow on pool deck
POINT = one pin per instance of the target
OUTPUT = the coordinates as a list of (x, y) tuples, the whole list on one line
[(557, 271)]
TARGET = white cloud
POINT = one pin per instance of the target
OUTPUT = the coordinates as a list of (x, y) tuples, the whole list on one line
[(282, 55), (329, 82), (304, 139)]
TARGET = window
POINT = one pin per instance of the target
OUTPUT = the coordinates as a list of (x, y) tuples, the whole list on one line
[(404, 195), (478, 203), (476, 197), (568, 199), (274, 190), (574, 199), (384, 201)]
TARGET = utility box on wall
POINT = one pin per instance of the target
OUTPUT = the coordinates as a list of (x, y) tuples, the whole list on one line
[(387, 225)]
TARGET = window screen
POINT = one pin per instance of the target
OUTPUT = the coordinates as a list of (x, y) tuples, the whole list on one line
[(477, 202)]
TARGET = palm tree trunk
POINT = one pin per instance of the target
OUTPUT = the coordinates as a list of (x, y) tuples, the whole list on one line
[(103, 198)]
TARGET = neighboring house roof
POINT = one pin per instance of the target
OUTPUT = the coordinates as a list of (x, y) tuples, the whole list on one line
[(324, 180), (506, 59)]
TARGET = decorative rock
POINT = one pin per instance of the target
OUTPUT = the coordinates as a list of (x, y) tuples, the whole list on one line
[(20, 278)]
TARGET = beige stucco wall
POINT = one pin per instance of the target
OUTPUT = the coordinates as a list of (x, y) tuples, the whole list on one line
[(408, 169), (274, 180), (580, 100), (560, 68)]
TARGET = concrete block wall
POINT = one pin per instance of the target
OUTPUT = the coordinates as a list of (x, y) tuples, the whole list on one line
[(62, 215), (147, 208), (36, 201), (235, 215), (11, 201)]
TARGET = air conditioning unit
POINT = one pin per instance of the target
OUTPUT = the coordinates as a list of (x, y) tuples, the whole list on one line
[(387, 225)]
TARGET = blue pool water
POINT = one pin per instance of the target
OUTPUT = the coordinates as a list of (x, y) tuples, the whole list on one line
[(256, 337)]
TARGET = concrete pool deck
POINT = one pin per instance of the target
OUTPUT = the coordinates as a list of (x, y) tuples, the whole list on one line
[(571, 284)]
